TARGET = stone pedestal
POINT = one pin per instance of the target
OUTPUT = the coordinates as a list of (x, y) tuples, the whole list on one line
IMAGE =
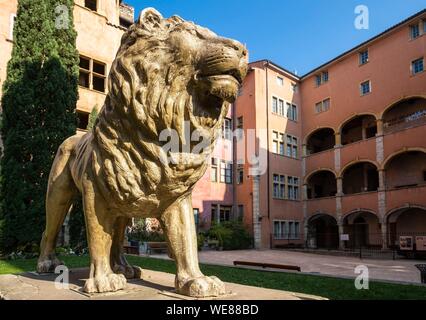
[(154, 286)]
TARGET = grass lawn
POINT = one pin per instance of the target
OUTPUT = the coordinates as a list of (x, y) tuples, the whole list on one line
[(331, 288)]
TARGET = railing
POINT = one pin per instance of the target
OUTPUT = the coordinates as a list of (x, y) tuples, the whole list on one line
[(357, 241), (406, 121)]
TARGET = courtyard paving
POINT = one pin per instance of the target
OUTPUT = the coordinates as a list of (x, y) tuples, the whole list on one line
[(400, 270)]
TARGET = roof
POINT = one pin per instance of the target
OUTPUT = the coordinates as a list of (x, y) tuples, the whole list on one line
[(356, 48)]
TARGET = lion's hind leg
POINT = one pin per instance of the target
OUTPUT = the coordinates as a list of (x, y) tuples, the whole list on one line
[(119, 262), (60, 194)]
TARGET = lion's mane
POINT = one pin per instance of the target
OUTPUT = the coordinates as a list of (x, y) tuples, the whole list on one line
[(147, 94)]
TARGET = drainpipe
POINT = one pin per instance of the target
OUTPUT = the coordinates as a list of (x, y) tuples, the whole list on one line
[(268, 157)]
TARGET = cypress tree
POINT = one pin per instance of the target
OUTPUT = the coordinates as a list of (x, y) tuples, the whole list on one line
[(39, 101)]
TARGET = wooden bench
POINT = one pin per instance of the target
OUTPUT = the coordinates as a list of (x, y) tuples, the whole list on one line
[(131, 250), (267, 265), (213, 243), (156, 247)]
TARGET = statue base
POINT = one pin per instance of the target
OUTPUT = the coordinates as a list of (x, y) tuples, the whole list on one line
[(154, 286)]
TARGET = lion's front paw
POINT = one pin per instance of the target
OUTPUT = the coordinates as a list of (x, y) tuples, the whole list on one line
[(107, 283), (47, 265), (129, 271), (201, 287)]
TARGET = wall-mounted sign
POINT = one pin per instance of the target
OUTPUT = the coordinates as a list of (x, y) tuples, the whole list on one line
[(406, 243), (421, 243), (344, 237)]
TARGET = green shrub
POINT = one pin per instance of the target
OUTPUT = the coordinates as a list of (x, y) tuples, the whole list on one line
[(201, 238), (232, 235), (139, 233)]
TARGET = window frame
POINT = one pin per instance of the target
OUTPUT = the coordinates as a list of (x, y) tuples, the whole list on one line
[(226, 172), (92, 74), (362, 56), (418, 33), (227, 129), (280, 81), (287, 229), (278, 180), (214, 170), (322, 78), (96, 5), (413, 72), (362, 88)]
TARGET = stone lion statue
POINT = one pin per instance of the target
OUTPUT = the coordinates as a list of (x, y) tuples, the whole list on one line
[(167, 73)]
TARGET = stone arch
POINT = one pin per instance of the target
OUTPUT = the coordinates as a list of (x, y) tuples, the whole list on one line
[(352, 117), (399, 152), (353, 162), (390, 106)]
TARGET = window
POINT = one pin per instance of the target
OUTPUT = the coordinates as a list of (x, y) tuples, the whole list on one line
[(286, 230), (325, 77), (213, 171), (225, 213), (291, 146), (322, 106), (424, 26), (240, 216), (365, 87), (294, 87), (278, 106), (281, 111), (240, 123), (227, 129), (321, 78), (240, 174), (12, 25), (196, 216), (292, 188), (277, 143), (82, 119), (91, 4), (291, 111), (414, 31), (417, 66), (363, 57), (274, 105), (318, 107), (240, 91), (92, 74), (280, 81), (279, 227), (318, 80), (226, 172), (279, 186)]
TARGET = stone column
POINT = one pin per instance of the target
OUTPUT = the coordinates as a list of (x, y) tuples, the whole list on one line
[(379, 127), (338, 139), (341, 231), (304, 150), (339, 183), (382, 181), (384, 234), (257, 231)]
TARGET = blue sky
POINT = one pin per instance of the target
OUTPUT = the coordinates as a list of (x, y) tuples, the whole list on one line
[(298, 35)]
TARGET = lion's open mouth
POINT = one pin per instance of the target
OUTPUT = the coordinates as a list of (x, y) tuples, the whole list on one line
[(218, 83)]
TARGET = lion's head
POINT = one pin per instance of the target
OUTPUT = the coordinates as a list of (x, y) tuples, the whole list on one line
[(168, 70), (168, 73)]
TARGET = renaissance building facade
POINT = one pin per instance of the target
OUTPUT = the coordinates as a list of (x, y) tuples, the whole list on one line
[(342, 148)]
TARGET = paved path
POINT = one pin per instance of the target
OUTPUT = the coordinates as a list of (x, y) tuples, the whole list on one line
[(399, 270)]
